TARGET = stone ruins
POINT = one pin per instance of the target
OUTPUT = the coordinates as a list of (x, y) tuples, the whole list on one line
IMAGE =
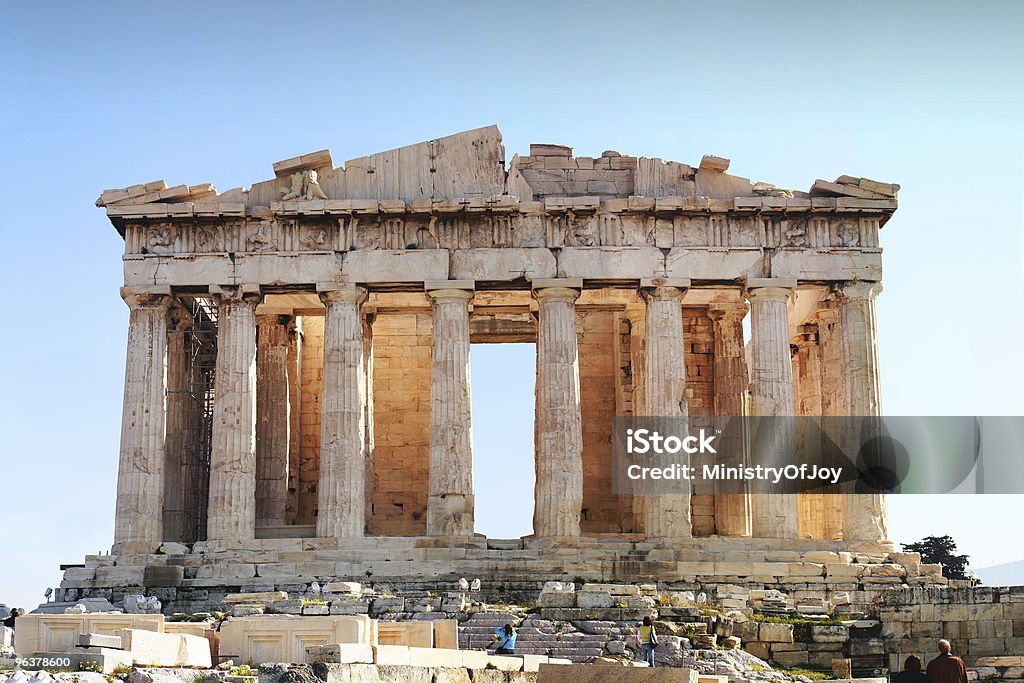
[(297, 390)]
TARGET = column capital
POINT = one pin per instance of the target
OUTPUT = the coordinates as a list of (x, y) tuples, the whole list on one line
[(557, 289), (858, 289), (158, 296), (769, 288), (664, 288), (730, 312), (450, 293), (341, 294), (242, 295)]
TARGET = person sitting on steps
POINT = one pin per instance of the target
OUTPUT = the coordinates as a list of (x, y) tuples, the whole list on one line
[(506, 640)]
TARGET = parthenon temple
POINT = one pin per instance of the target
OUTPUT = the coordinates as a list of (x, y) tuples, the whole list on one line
[(298, 379)]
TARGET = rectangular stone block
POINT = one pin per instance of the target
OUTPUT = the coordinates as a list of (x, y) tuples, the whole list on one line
[(285, 637), (434, 657), (408, 633), (157, 576), (340, 653), (502, 264), (561, 599), (611, 262), (704, 264), (473, 659), (99, 640), (149, 648), (446, 634), (775, 633), (391, 654), (810, 265), (594, 599), (270, 268), (254, 598), (60, 632), (830, 634), (381, 266)]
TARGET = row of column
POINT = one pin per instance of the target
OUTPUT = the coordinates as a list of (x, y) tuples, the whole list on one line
[(238, 476)]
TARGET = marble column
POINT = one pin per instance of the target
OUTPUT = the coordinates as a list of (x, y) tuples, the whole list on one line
[(773, 515), (818, 516), (179, 405), (865, 516), (273, 428), (231, 512), (732, 510), (666, 515), (294, 417), (342, 489), (369, 317), (138, 520), (450, 501), (558, 496)]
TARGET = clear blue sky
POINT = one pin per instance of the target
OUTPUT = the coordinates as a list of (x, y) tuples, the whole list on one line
[(98, 95)]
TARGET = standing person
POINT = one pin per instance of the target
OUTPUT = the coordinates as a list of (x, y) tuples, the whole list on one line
[(9, 621), (506, 640), (648, 641), (911, 672), (946, 668)]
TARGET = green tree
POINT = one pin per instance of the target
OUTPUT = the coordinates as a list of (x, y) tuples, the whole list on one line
[(940, 550)]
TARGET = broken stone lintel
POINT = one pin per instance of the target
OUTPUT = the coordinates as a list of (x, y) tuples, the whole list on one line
[(713, 163), (313, 160)]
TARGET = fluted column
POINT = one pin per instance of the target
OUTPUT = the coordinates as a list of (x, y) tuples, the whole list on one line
[(369, 317), (342, 489), (138, 519), (732, 510), (273, 431), (865, 516), (773, 515), (179, 405), (558, 497), (450, 502), (294, 417), (666, 515), (231, 514)]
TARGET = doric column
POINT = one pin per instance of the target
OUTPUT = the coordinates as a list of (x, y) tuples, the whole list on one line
[(138, 519), (273, 429), (450, 502), (820, 514), (865, 516), (732, 510), (294, 417), (342, 489), (666, 516), (369, 317), (773, 515), (231, 514), (559, 428), (179, 405)]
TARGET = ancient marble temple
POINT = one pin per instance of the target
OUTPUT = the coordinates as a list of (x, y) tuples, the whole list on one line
[(298, 376)]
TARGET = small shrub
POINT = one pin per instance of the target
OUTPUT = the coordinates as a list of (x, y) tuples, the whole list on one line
[(808, 673), (122, 670)]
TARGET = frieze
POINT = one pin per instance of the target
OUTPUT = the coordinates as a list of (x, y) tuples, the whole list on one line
[(569, 228)]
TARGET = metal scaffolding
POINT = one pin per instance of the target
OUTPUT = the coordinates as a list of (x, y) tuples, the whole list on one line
[(201, 344)]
